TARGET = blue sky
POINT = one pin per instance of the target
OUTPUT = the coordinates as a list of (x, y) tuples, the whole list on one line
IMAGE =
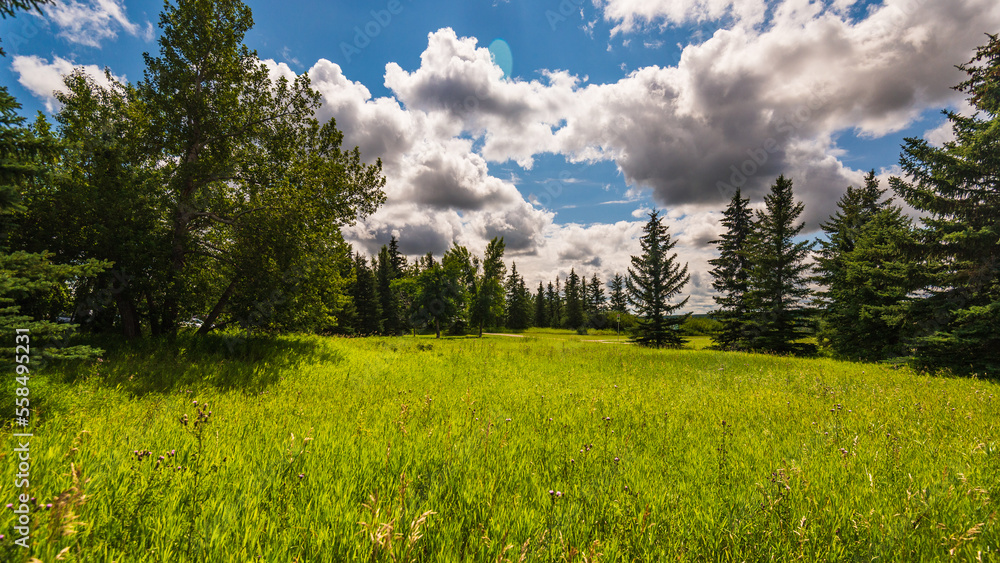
[(599, 110)]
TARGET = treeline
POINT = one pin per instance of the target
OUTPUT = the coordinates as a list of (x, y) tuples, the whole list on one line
[(463, 293)]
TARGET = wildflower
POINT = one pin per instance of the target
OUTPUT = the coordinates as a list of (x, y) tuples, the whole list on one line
[(301, 475), (508, 420), (571, 460), (559, 494), (616, 460), (48, 506), (10, 505)]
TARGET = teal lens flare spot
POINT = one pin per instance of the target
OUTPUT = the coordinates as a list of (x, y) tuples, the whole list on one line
[(502, 56)]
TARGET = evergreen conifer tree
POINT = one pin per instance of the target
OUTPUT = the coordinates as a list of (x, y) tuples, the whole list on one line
[(957, 187), (654, 279), (778, 289), (731, 275)]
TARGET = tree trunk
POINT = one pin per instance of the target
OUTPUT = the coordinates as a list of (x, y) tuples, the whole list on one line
[(480, 330), (437, 328), (209, 322), (130, 317), (152, 315)]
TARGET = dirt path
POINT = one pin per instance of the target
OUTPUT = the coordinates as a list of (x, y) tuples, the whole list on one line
[(501, 334)]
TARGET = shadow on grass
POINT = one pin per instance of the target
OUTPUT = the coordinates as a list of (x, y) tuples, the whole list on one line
[(223, 361)]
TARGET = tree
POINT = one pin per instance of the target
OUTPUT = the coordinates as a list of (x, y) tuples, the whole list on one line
[(778, 279), (27, 156), (440, 294), (488, 297), (957, 187), (367, 307), (596, 302), (574, 301), (653, 280), (518, 301), (541, 307), (244, 190), (865, 274), (619, 303), (731, 275), (555, 304), (387, 272)]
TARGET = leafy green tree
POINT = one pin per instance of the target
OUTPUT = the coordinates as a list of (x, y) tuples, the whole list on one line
[(541, 318), (618, 301), (731, 275), (866, 276), (654, 279), (519, 303), (778, 280), (440, 294), (243, 190), (956, 187), (488, 297), (27, 157)]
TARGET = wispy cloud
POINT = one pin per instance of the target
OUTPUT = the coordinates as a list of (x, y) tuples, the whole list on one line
[(92, 23)]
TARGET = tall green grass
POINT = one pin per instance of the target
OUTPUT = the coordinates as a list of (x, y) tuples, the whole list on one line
[(420, 450)]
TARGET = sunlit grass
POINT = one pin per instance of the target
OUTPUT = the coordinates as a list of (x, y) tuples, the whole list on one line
[(428, 450)]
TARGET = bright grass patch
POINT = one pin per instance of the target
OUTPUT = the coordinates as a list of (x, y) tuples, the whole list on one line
[(506, 449)]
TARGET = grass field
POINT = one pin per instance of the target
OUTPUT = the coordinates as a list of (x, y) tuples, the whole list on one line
[(540, 448)]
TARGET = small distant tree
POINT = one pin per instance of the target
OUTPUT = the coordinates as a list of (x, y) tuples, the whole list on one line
[(596, 302), (731, 275), (574, 301), (619, 302), (440, 295), (541, 307), (367, 308), (654, 279), (488, 297), (555, 304), (519, 303)]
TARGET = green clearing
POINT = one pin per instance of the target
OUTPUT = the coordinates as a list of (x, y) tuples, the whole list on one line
[(447, 451)]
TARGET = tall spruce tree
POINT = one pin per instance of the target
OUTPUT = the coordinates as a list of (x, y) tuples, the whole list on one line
[(555, 305), (27, 156), (392, 312), (367, 308), (865, 274), (488, 297), (541, 307), (574, 302), (618, 301), (778, 280), (654, 279), (519, 304), (596, 302), (731, 275), (957, 187)]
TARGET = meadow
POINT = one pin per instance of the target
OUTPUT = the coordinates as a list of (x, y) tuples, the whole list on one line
[(545, 447)]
